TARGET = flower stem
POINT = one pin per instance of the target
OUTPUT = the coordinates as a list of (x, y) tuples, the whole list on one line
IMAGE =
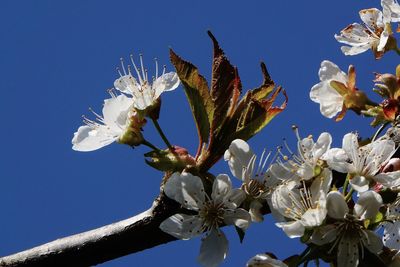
[(147, 143), (348, 196), (303, 256), (383, 126), (345, 185), (397, 50), (161, 133)]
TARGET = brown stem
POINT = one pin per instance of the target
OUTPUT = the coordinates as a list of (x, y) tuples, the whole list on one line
[(115, 240)]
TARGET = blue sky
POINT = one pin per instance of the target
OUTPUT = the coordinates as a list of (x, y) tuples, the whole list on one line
[(58, 59)]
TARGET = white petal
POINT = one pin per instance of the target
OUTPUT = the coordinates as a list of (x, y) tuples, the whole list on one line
[(127, 84), (381, 151), (88, 139), (214, 248), (383, 40), (389, 179), (347, 255), (355, 50), (238, 156), (356, 36), (254, 210), (324, 234), (372, 17), (330, 71), (350, 145), (371, 241), (338, 160), (336, 205), (391, 11), (115, 112), (305, 171), (368, 205), (320, 186), (264, 260), (279, 172), (359, 183), (182, 226), (313, 217), (331, 102), (221, 187), (239, 217), (280, 200), (292, 229), (234, 198), (322, 145), (391, 234), (186, 189), (167, 82)]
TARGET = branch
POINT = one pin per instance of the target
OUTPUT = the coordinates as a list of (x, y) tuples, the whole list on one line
[(106, 243), (102, 244)]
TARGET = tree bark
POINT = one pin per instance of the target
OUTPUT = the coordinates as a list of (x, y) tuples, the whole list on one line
[(102, 244)]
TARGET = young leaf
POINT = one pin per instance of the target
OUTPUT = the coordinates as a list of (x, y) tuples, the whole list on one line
[(197, 93), (225, 86), (258, 114)]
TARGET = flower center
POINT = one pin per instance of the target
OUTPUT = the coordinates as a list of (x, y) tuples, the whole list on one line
[(212, 214), (254, 188)]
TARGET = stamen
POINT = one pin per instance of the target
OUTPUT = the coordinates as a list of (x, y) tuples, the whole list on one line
[(265, 161), (119, 71), (156, 61), (136, 69), (98, 117), (164, 69), (141, 64), (287, 147), (296, 131), (122, 65), (111, 92)]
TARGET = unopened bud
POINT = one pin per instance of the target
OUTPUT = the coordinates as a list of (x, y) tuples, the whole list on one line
[(174, 159)]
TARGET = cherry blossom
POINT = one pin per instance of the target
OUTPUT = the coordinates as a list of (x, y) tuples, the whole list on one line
[(211, 212), (144, 92)]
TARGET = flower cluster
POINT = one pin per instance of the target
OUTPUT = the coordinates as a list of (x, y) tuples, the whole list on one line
[(308, 204)]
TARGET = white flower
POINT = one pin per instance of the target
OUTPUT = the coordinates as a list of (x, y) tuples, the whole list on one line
[(107, 128), (306, 164), (373, 34), (304, 207), (257, 182), (310, 153), (331, 102), (143, 91), (362, 163), (264, 260), (391, 9), (211, 212), (348, 234)]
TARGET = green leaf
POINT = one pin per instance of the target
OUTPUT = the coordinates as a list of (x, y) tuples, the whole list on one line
[(225, 87), (197, 93), (240, 233)]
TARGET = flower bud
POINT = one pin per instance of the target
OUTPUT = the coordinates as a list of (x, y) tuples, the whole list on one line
[(174, 159), (133, 134)]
